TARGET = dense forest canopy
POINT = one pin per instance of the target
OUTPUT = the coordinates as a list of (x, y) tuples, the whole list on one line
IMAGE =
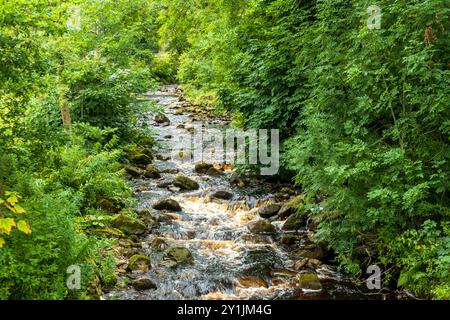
[(364, 116)]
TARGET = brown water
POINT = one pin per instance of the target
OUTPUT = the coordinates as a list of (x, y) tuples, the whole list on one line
[(215, 231)]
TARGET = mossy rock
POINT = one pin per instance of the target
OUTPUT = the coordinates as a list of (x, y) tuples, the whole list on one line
[(179, 255), (295, 205), (151, 172), (222, 195), (139, 262), (108, 206), (161, 118), (294, 223), (213, 172), (128, 225), (185, 183), (134, 172), (261, 227), (309, 281), (202, 168)]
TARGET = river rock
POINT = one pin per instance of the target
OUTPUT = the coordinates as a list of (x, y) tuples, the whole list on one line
[(312, 251), (179, 255), (222, 194), (139, 262), (185, 183), (202, 168), (151, 172), (167, 204), (133, 171), (143, 283), (213, 172), (235, 179), (250, 282), (293, 223), (309, 281), (128, 225), (261, 227), (298, 265), (161, 118), (269, 211), (291, 207), (158, 244), (289, 239)]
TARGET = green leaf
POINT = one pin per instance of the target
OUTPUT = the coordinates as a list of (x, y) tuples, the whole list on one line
[(23, 226), (6, 224)]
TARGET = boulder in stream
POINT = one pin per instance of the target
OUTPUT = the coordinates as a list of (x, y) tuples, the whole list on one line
[(261, 227), (139, 262), (294, 223), (128, 225), (167, 204), (151, 172), (222, 194), (161, 118), (269, 210), (202, 168), (143, 283), (185, 183), (178, 256), (309, 281), (291, 207)]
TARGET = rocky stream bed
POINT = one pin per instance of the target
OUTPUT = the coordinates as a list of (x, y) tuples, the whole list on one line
[(205, 232)]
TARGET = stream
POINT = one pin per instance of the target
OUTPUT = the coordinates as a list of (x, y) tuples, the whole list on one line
[(227, 260)]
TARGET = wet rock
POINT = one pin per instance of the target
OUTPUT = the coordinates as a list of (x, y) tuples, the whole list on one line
[(170, 170), (202, 168), (282, 273), (167, 136), (141, 159), (294, 223), (298, 265), (181, 126), (213, 172), (167, 204), (158, 244), (309, 281), (161, 118), (289, 239), (311, 251), (269, 211), (179, 256), (133, 171), (128, 225), (163, 184), (314, 262), (151, 172), (222, 194), (235, 179), (139, 262), (143, 283), (259, 262), (178, 112), (261, 227), (291, 207), (250, 282), (185, 183)]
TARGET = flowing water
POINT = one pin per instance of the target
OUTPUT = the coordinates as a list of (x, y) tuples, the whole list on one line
[(229, 261)]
